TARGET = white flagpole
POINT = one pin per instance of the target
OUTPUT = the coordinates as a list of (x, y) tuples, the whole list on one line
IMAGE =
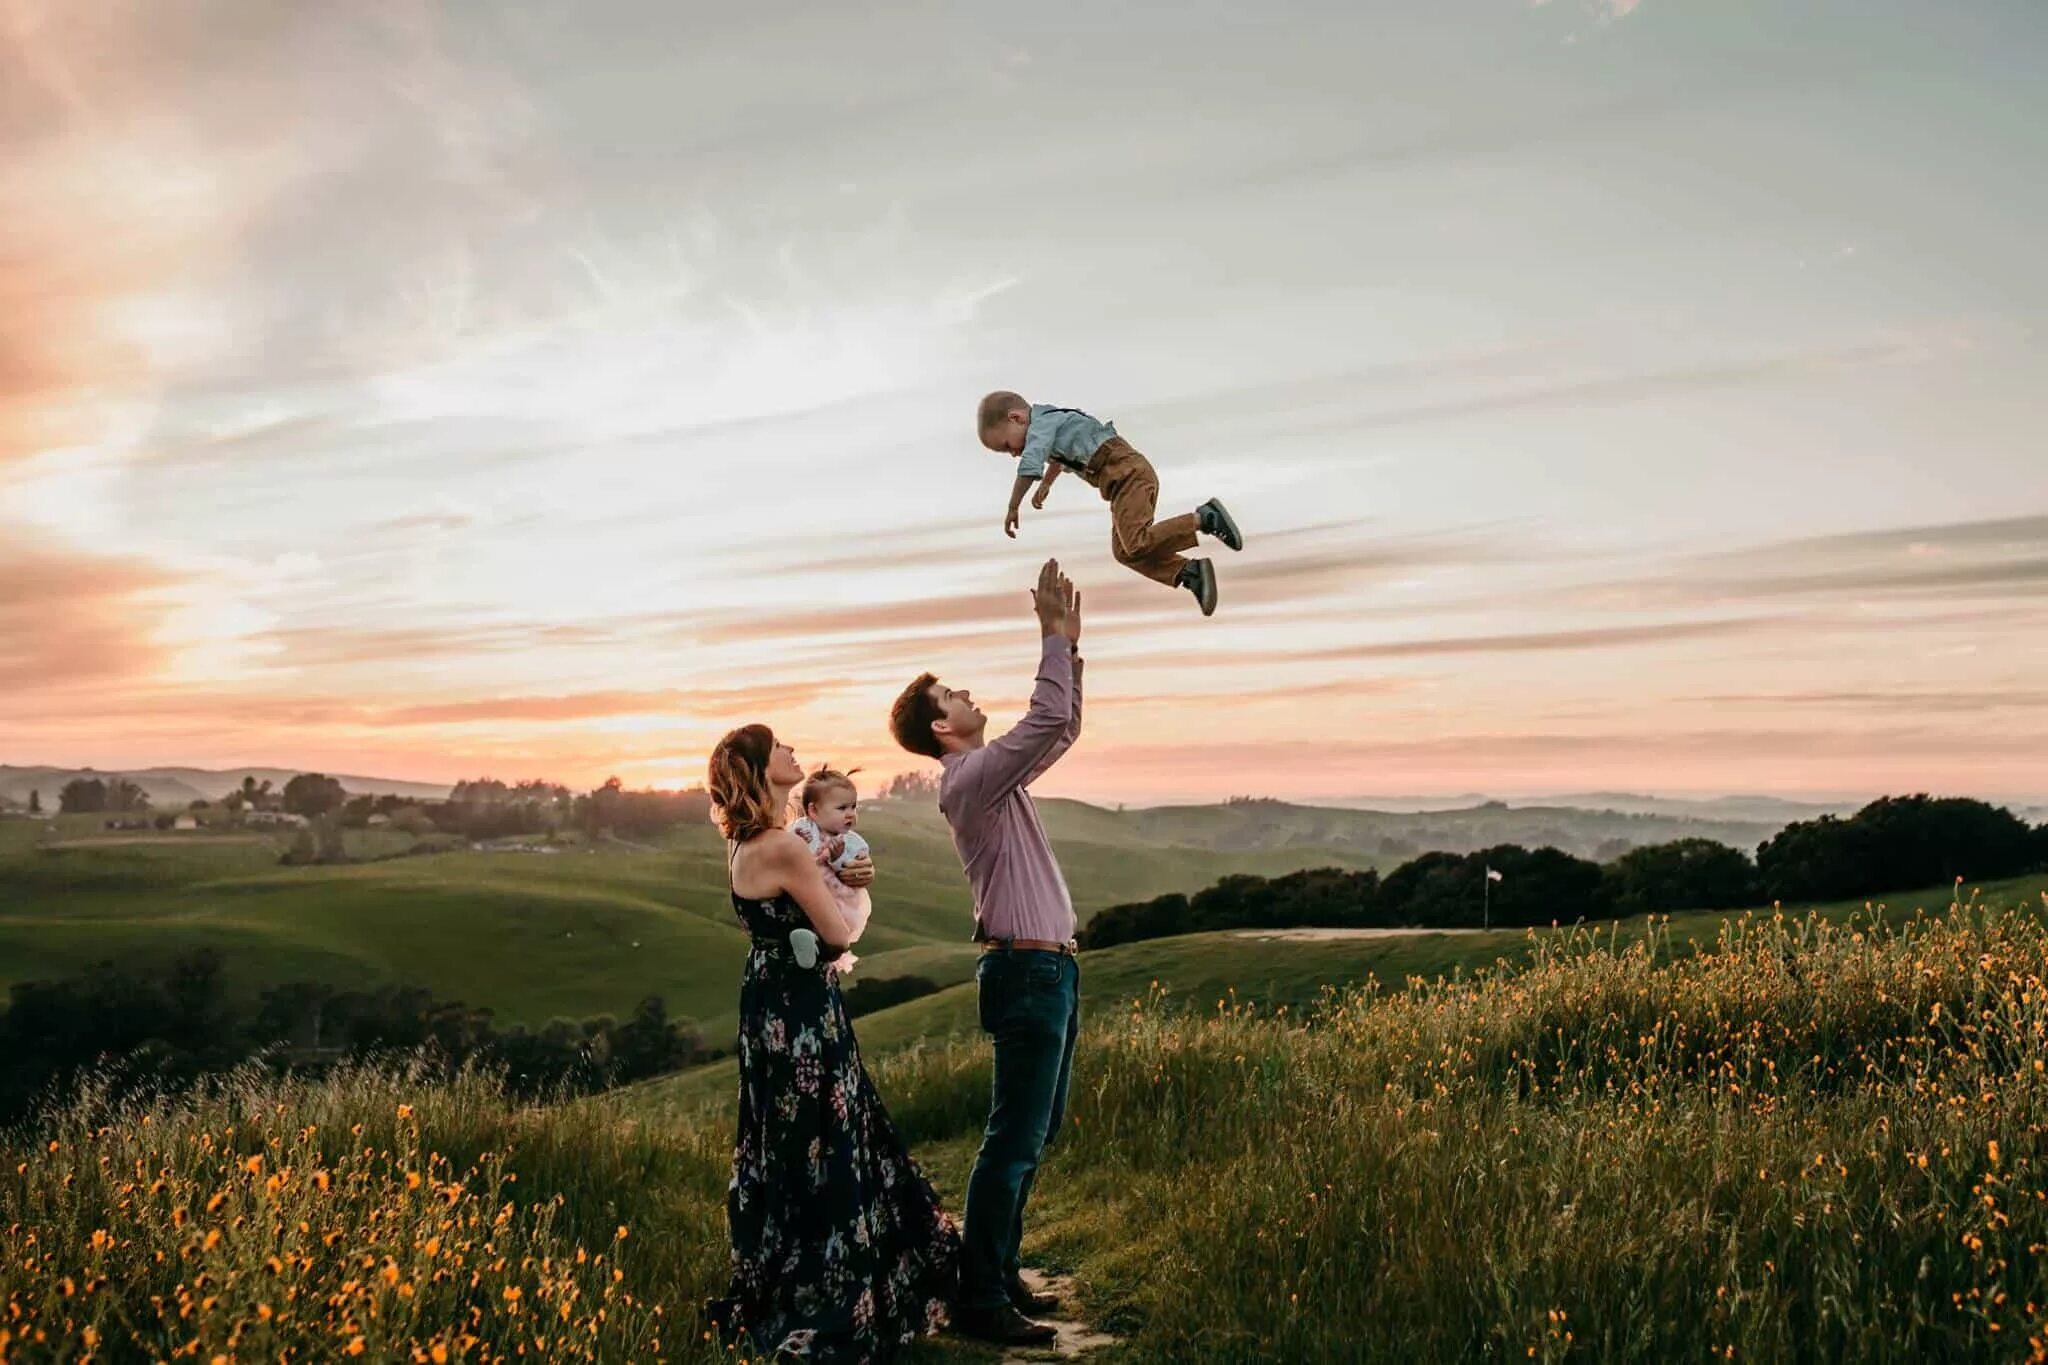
[(1486, 900)]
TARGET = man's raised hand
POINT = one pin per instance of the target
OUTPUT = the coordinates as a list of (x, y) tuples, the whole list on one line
[(1073, 613), (1049, 599)]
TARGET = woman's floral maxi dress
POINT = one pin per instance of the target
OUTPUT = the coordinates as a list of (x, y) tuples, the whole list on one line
[(840, 1251)]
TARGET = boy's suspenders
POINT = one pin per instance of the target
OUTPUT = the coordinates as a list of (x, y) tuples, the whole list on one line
[(1083, 465)]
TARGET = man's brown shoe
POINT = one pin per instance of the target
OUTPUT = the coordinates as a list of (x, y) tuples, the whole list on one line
[(1027, 1301), (1004, 1326)]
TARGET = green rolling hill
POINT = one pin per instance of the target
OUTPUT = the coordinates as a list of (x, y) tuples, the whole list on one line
[(594, 928), (588, 930), (1201, 971)]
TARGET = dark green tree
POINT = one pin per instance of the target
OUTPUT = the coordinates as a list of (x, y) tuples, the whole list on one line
[(650, 1042), (313, 795), (1685, 874), (123, 795), (82, 796), (1537, 887), (1896, 843)]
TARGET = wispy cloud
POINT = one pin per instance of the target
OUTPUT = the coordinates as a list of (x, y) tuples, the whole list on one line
[(1636, 386), (2017, 534), (1316, 562), (1570, 641), (2001, 560), (1904, 702), (603, 705), (68, 618), (1791, 759), (1604, 10)]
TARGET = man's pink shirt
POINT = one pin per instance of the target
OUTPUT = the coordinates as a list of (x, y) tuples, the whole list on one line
[(985, 797)]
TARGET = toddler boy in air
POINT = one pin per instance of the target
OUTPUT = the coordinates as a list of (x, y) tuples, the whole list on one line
[(1046, 440)]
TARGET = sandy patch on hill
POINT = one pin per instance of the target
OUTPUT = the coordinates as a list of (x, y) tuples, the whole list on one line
[(185, 840), (1335, 935)]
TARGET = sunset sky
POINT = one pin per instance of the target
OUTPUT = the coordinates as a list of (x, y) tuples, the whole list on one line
[(1616, 394)]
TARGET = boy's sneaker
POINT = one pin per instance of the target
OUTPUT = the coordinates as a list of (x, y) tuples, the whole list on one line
[(1199, 578), (1215, 521), (803, 946)]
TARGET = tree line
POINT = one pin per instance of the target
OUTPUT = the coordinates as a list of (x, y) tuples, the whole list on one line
[(144, 1029), (475, 809), (1895, 843)]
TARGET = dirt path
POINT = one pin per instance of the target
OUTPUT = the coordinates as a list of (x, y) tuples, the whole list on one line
[(1076, 1338), (186, 840), (1338, 935)]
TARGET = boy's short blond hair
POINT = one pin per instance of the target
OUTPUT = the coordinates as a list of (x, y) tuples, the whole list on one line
[(995, 407)]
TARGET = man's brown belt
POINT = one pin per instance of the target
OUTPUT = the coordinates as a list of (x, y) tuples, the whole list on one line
[(1041, 945)]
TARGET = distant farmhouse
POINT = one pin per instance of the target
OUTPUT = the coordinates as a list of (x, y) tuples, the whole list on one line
[(275, 818)]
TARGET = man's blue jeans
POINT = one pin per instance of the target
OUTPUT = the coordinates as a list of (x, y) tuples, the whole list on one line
[(1031, 1006)]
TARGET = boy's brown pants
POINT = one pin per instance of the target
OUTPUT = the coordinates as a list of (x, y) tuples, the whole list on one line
[(1131, 488)]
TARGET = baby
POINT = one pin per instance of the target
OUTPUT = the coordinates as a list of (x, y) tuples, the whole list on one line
[(828, 800), (1045, 439)]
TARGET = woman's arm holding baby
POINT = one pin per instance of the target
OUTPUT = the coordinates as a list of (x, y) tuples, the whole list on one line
[(794, 865), (858, 873)]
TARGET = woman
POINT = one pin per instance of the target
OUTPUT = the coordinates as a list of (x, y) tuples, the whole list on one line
[(840, 1251)]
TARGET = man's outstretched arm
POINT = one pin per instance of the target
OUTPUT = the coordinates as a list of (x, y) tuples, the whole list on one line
[(1012, 759), (1073, 730)]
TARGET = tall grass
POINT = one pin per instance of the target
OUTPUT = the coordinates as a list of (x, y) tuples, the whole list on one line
[(370, 1215), (1813, 1141)]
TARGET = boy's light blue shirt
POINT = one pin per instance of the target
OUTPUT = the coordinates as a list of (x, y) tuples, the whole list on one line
[(1068, 435)]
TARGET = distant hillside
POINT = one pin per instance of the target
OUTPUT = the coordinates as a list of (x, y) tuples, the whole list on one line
[(1246, 825), (1773, 810), (590, 930), (180, 786)]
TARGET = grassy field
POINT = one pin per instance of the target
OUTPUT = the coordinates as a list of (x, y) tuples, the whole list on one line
[(1811, 1138), (1214, 971), (532, 936)]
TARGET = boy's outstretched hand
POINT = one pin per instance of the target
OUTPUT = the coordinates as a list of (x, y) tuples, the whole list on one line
[(1017, 492)]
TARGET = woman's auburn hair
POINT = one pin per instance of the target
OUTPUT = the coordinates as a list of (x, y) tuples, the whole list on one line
[(742, 804)]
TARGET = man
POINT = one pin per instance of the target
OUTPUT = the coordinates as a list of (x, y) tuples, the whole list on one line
[(1024, 919)]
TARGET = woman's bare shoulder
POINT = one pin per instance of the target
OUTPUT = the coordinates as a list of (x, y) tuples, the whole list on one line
[(767, 854), (779, 844)]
